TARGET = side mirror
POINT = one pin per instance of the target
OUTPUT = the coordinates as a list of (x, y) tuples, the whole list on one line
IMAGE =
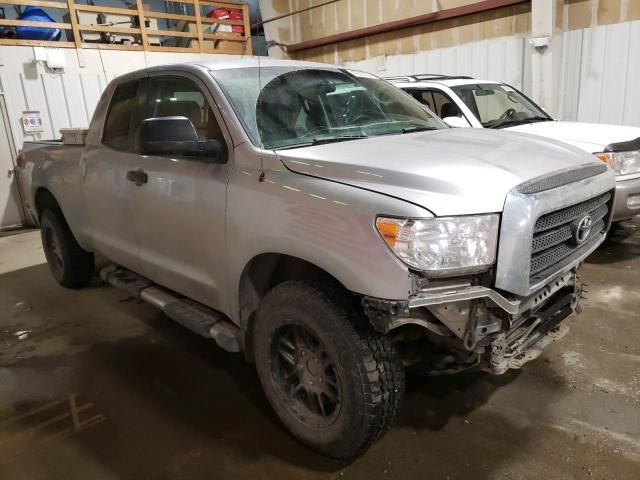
[(177, 136), (456, 122)]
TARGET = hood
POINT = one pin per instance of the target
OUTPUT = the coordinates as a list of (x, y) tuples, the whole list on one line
[(449, 172), (591, 137)]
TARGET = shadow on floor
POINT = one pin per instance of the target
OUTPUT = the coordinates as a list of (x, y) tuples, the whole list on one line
[(622, 245), (176, 406)]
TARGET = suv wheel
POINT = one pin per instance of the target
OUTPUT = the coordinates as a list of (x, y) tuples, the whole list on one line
[(334, 382), (70, 264)]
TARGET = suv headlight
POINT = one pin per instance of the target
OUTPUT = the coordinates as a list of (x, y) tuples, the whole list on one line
[(443, 246), (623, 163)]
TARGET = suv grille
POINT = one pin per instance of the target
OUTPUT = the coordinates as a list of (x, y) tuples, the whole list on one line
[(554, 233)]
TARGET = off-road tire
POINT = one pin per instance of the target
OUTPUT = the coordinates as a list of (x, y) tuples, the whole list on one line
[(367, 367), (70, 264)]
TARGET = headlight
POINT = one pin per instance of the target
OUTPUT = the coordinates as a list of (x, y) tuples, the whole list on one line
[(623, 163), (443, 246)]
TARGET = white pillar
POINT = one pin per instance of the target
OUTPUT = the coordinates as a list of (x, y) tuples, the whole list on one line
[(543, 13), (271, 29)]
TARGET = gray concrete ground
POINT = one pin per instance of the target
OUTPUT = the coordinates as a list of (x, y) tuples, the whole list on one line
[(95, 385)]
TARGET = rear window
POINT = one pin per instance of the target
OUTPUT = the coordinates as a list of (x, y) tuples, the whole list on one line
[(116, 129)]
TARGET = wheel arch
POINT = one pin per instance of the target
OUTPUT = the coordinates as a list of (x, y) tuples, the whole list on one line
[(265, 271), (43, 199)]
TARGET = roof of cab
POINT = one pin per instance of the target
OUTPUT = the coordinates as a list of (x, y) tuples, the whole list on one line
[(248, 62), (224, 63)]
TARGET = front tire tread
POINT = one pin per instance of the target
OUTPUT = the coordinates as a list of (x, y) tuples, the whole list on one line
[(378, 370)]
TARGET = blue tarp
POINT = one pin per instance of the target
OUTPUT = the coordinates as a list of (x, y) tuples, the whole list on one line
[(36, 14)]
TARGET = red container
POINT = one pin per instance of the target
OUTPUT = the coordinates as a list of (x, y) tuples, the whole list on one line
[(219, 13)]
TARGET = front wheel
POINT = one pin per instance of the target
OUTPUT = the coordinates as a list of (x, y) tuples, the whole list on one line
[(334, 382), (70, 264)]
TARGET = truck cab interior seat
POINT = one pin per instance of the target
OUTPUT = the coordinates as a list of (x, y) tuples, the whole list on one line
[(449, 110)]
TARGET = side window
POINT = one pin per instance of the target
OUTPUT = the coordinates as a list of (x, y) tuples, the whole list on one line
[(438, 102), (118, 120), (425, 97), (179, 96), (445, 106)]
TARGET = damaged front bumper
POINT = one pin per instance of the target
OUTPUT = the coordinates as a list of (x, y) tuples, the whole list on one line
[(498, 331)]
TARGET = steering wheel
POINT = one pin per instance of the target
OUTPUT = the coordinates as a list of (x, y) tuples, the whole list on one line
[(508, 114)]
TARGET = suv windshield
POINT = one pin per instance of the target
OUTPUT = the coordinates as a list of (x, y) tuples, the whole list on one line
[(498, 105), (285, 107)]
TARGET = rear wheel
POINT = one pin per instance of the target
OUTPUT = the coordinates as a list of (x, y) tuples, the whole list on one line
[(70, 264), (334, 382)]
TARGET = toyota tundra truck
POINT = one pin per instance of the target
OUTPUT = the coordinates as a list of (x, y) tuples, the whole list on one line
[(326, 224)]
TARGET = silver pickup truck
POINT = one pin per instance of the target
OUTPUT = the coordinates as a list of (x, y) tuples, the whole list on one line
[(325, 223)]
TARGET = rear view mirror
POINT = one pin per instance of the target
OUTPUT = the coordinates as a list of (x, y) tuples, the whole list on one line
[(456, 122), (177, 136), (317, 89)]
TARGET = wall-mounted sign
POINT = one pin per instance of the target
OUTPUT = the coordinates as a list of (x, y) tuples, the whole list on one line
[(32, 122)]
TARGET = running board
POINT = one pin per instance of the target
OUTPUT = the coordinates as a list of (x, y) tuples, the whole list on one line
[(204, 321)]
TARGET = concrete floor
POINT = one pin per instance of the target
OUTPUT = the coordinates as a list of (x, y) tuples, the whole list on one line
[(95, 385)]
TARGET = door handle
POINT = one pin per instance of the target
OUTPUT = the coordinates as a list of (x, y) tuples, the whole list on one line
[(138, 177), (11, 172)]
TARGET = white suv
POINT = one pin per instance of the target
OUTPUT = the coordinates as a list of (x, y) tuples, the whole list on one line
[(466, 102)]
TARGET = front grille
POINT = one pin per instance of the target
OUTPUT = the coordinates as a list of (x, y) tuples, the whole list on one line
[(553, 236)]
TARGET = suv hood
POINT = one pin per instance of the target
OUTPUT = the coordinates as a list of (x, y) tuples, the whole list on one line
[(591, 137), (449, 172)]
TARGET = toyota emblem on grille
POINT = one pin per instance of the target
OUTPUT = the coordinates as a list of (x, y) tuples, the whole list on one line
[(581, 229)]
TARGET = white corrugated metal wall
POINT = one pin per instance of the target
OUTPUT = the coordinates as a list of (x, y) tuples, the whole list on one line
[(599, 74), (64, 100), (67, 99)]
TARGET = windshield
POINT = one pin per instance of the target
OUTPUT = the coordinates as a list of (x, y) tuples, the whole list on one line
[(285, 107), (498, 105)]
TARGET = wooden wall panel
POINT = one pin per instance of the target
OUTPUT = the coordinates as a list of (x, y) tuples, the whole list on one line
[(577, 14), (354, 14)]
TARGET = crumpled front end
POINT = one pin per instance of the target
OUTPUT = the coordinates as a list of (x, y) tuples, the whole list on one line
[(504, 318), (471, 325)]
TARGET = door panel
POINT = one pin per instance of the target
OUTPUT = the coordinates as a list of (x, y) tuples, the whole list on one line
[(179, 214), (179, 218), (11, 214), (106, 190)]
